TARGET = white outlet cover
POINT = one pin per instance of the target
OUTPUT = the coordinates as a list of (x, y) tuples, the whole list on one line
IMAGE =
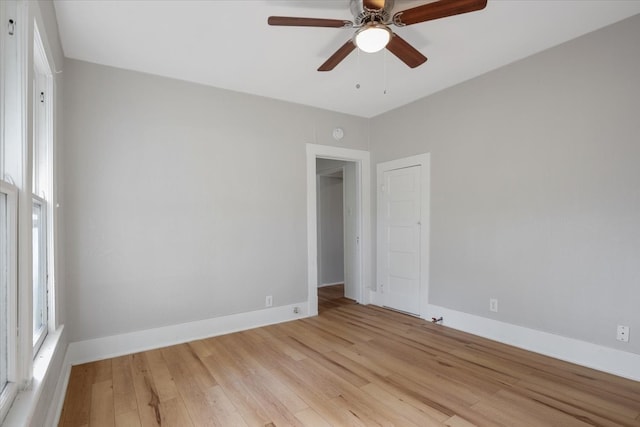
[(493, 305), (623, 333)]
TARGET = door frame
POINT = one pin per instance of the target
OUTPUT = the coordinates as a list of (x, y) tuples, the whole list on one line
[(363, 201), (423, 160)]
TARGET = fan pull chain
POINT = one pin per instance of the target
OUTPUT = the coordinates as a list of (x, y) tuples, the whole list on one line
[(384, 67), (359, 70)]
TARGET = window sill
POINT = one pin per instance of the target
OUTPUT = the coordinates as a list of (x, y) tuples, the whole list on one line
[(24, 406), (6, 398)]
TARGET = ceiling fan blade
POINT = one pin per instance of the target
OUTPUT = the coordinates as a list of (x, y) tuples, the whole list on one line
[(337, 57), (436, 10), (289, 21), (373, 4), (405, 52)]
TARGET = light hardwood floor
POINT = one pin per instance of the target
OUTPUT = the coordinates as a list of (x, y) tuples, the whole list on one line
[(332, 297), (352, 365)]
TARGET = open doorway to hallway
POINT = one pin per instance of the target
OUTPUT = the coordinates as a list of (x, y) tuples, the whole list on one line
[(337, 236), (358, 247)]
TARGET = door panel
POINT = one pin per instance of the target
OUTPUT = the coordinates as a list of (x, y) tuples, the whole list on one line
[(402, 239)]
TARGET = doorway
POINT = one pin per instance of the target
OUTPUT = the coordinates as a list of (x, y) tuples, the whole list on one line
[(337, 213), (354, 167), (331, 205)]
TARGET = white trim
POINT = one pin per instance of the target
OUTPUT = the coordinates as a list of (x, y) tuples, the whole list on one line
[(46, 141), (46, 45), (40, 58), (582, 353), (4, 18), (57, 402), (40, 335), (133, 342), (586, 354), (7, 398), (45, 366), (11, 390), (363, 194), (424, 161), (375, 299), (17, 114), (24, 40)]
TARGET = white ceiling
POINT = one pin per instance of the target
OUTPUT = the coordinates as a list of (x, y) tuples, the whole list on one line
[(228, 44)]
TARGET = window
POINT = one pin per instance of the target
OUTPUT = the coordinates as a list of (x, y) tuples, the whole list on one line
[(41, 190), (4, 290), (8, 292), (6, 284), (26, 194), (39, 236)]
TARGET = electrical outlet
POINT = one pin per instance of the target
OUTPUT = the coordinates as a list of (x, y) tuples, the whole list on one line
[(296, 310), (623, 333), (493, 305), (268, 302)]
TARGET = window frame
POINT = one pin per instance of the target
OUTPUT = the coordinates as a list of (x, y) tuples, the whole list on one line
[(42, 145), (42, 246), (8, 104), (23, 55), (11, 387)]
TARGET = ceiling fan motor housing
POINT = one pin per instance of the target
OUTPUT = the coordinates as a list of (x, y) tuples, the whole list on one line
[(362, 15)]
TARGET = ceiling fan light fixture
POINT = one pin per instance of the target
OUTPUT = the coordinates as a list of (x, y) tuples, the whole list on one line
[(373, 37)]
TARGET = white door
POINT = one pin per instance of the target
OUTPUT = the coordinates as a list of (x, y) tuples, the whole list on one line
[(399, 215)]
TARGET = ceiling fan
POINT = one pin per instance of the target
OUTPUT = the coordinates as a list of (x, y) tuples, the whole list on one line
[(372, 19)]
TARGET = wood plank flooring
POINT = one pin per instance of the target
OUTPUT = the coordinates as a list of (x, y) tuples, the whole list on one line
[(332, 297), (353, 365)]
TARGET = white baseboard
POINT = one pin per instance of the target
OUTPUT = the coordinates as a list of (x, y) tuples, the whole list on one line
[(374, 298), (583, 353), (133, 342)]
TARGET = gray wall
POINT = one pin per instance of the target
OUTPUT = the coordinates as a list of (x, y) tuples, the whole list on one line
[(535, 194), (182, 202), (330, 220), (330, 230)]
